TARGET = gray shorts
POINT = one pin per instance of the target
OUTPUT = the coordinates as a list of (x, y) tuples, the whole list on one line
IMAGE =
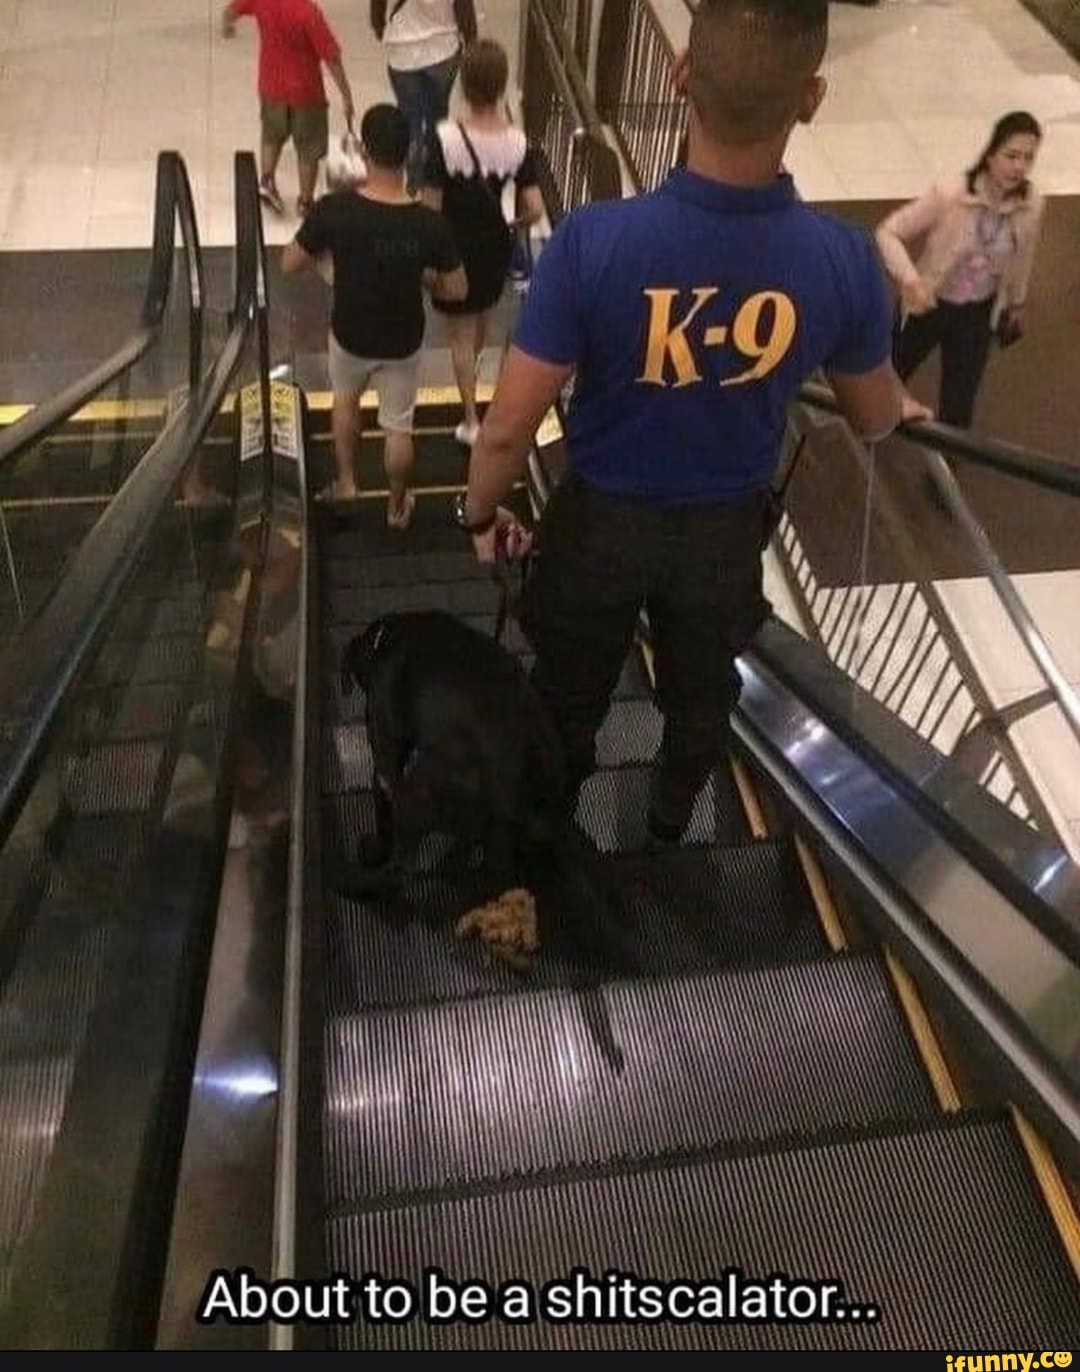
[(395, 379)]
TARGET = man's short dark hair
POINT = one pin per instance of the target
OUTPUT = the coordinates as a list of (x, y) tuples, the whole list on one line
[(384, 132), (750, 61)]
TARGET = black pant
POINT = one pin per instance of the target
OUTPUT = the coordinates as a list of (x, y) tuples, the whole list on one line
[(697, 571), (963, 333)]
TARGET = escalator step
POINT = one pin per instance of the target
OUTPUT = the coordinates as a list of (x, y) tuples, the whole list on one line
[(467, 598), (940, 1229), (112, 777), (483, 1090), (614, 802), (684, 912), (161, 660), (440, 461), (432, 529), (344, 567)]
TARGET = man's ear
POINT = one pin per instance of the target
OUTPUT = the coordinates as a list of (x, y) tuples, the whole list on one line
[(680, 72), (812, 96)]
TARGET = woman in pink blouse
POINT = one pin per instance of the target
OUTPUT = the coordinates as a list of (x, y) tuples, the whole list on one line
[(961, 257)]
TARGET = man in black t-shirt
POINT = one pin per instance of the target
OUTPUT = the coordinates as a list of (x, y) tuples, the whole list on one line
[(385, 249)]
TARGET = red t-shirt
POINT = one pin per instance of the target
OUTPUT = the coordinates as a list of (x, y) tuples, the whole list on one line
[(294, 41)]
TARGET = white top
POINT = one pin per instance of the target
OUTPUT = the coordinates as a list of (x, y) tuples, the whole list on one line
[(423, 33), (499, 152)]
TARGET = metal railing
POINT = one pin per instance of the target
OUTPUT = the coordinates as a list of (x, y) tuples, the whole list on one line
[(576, 163), (635, 97)]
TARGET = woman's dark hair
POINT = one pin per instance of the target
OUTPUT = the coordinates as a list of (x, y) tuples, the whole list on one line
[(1008, 126)]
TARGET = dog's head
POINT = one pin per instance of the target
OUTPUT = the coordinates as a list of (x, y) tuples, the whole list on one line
[(358, 657)]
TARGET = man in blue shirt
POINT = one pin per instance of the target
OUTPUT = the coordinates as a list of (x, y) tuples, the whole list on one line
[(690, 318)]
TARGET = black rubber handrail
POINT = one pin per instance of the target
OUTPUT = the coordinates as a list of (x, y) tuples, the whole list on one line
[(37, 679), (173, 202), (1024, 463)]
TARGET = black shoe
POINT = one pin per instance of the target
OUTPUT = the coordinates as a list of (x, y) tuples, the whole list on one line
[(662, 834)]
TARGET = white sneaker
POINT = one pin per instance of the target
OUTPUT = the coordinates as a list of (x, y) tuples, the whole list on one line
[(467, 434)]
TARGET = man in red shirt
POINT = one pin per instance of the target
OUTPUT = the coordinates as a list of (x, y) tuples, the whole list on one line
[(294, 41)]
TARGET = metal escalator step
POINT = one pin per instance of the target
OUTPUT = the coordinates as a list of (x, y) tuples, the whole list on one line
[(683, 912), (440, 461), (476, 1091), (156, 617), (112, 777), (719, 904), (939, 1229), (466, 598), (155, 660), (614, 802), (122, 712), (432, 529), (344, 567)]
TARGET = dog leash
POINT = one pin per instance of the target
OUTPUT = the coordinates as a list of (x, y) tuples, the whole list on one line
[(509, 593)]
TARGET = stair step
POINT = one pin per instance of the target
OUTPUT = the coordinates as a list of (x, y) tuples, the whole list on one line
[(483, 1090), (440, 461), (938, 1228), (688, 911)]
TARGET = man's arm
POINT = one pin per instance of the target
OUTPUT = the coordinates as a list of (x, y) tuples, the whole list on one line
[(526, 391), (874, 403), (451, 286), (294, 258), (465, 15), (229, 16), (341, 80)]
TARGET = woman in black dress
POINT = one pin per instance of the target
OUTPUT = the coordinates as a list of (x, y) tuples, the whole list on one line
[(481, 175)]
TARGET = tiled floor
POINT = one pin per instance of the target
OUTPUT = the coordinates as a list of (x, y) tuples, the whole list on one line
[(91, 89)]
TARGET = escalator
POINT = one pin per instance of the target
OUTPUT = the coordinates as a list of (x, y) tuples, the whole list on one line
[(130, 596), (765, 1097), (768, 1096)]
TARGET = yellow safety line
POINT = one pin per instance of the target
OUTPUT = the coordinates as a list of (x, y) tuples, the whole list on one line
[(755, 815), (1056, 1193), (426, 395), (937, 1069), (822, 897)]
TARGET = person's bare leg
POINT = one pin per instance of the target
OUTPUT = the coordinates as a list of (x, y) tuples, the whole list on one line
[(346, 424), (271, 156), (463, 332), (398, 460), (308, 174), (483, 319)]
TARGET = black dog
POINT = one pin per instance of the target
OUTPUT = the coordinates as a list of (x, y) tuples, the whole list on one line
[(463, 745)]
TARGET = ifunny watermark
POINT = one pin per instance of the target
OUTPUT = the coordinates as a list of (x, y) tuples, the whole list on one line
[(1006, 1362)]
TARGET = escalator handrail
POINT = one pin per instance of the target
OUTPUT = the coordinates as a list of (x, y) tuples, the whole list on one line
[(57, 646), (172, 201), (1024, 463)]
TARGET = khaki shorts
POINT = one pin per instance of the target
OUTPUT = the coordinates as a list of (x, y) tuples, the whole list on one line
[(395, 380), (307, 125)]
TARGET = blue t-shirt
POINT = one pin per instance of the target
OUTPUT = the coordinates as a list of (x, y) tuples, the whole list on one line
[(692, 316)]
